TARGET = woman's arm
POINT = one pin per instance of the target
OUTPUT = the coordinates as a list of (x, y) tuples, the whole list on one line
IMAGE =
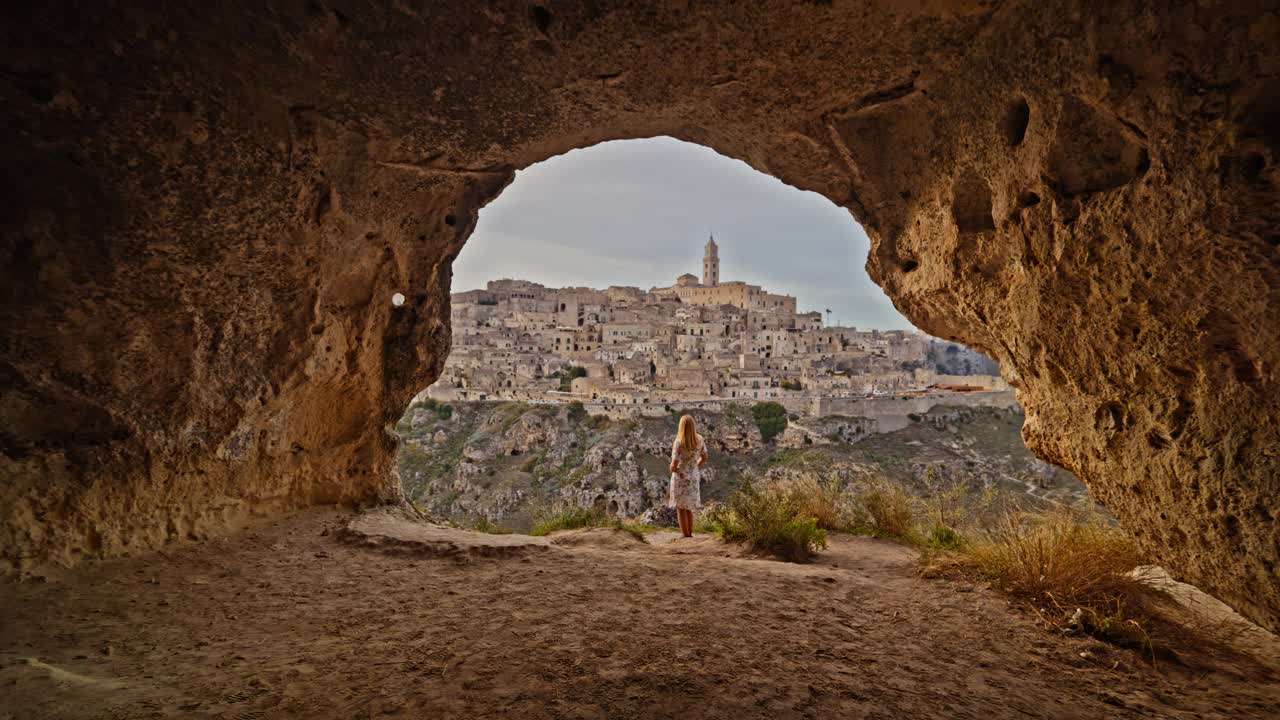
[(702, 454), (675, 458)]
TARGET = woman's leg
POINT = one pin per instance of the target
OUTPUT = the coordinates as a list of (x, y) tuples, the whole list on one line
[(686, 522)]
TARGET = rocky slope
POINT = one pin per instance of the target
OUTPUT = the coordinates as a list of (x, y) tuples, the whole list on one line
[(498, 461)]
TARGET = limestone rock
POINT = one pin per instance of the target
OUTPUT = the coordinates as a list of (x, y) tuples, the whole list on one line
[(201, 250), (660, 515)]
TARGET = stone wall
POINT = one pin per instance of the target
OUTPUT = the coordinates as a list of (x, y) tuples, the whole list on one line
[(208, 208), (894, 413)]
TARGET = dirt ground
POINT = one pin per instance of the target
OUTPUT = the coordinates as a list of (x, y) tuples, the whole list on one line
[(302, 619)]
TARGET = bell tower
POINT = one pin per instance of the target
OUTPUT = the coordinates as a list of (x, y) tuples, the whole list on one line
[(711, 264)]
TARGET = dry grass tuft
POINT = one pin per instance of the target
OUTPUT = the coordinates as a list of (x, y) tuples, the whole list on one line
[(1073, 568), (824, 501), (1060, 555), (886, 510)]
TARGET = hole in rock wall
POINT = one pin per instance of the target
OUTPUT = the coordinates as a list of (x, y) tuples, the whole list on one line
[(971, 204), (541, 18), (612, 289), (1253, 165), (1015, 122)]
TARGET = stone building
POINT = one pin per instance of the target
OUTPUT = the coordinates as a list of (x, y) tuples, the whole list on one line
[(711, 263), (698, 339)]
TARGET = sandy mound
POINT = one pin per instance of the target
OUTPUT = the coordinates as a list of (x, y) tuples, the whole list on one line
[(395, 530), (607, 538)]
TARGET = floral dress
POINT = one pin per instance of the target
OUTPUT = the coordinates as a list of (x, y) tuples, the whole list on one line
[(685, 481)]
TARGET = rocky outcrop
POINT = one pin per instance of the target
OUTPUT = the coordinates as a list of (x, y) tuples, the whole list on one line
[(454, 469), (500, 461), (826, 429), (208, 216)]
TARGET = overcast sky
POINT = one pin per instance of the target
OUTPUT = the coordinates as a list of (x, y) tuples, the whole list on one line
[(638, 212)]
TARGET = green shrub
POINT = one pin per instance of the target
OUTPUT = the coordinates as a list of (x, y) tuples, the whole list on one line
[(705, 521), (485, 525), (442, 411), (943, 538), (770, 518), (771, 419), (577, 411), (568, 376), (569, 516)]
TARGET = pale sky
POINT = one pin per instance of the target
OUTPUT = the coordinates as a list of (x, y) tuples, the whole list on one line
[(638, 212)]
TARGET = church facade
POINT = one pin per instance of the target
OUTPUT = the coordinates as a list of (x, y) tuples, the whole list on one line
[(710, 291)]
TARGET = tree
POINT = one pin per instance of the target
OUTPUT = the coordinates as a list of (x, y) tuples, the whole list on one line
[(567, 377), (771, 418)]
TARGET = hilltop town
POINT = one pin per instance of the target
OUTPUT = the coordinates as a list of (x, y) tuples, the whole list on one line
[(698, 341)]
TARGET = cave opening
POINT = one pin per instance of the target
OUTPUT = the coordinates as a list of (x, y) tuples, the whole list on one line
[(573, 296), (209, 212)]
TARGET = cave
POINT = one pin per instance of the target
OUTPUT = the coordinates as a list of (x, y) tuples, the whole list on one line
[(228, 232)]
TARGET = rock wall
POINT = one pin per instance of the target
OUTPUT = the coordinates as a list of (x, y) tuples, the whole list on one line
[(893, 413), (207, 210), (503, 461)]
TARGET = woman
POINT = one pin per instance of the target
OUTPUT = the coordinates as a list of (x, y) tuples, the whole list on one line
[(687, 455)]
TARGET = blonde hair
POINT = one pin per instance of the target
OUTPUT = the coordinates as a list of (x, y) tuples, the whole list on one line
[(687, 436)]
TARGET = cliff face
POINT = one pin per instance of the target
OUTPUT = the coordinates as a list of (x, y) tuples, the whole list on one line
[(503, 461), (207, 212), (499, 461)]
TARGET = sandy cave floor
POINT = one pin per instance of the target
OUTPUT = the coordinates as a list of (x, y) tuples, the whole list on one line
[(295, 619)]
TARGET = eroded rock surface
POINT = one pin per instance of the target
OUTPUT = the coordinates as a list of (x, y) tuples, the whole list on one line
[(207, 211), (500, 461)]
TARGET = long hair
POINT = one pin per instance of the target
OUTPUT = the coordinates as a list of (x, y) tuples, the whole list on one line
[(687, 436)]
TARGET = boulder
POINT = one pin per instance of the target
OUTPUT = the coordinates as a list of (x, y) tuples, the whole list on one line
[(660, 515)]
